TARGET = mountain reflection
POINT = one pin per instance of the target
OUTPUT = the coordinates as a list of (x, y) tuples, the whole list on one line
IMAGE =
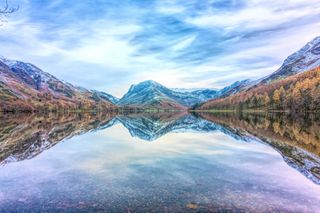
[(297, 139), (150, 127), (23, 137)]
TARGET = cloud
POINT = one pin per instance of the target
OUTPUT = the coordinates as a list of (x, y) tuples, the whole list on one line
[(257, 15), (109, 45)]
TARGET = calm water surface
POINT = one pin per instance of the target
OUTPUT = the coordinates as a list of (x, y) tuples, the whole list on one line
[(158, 163)]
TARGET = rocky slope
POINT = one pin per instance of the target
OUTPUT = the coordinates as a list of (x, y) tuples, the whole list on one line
[(25, 87), (307, 58), (234, 88)]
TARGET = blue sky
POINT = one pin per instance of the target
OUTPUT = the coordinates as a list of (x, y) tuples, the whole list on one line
[(109, 45)]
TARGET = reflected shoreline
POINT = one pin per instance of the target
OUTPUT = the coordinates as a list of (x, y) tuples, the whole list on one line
[(24, 136)]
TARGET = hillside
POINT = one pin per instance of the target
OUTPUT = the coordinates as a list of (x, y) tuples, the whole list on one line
[(307, 58), (300, 92), (294, 86), (25, 87)]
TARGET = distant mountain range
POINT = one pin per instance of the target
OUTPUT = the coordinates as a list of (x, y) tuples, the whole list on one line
[(150, 94), (24, 86)]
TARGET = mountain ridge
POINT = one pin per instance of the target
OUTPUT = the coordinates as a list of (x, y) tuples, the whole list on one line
[(25, 87), (307, 58)]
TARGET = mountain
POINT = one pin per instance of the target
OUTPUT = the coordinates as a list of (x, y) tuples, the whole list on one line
[(149, 94), (105, 96), (154, 95), (298, 93), (234, 88), (99, 95), (307, 58), (25, 87), (294, 86), (191, 97)]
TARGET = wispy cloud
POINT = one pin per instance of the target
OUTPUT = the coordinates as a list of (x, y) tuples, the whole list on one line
[(108, 45)]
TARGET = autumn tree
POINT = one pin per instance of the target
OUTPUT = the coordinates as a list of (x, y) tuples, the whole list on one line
[(266, 100), (296, 97), (282, 95), (276, 98)]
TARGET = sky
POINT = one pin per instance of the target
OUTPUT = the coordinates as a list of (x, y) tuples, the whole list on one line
[(108, 45)]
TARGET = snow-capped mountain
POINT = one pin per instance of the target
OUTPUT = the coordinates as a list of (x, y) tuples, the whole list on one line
[(234, 88), (307, 58), (98, 95), (199, 95), (152, 94), (24, 86)]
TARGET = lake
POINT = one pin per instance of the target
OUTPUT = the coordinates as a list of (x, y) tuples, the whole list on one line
[(159, 162)]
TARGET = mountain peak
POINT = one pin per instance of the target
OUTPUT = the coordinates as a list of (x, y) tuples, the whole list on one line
[(148, 83)]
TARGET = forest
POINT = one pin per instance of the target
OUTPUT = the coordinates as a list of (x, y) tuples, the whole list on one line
[(298, 93)]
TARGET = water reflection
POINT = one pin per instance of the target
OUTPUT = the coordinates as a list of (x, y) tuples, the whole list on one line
[(297, 139), (24, 136), (205, 162), (150, 127)]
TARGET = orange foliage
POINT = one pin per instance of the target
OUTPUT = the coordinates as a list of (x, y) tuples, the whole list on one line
[(300, 92)]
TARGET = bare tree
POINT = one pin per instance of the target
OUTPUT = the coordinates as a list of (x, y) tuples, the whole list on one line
[(6, 9)]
